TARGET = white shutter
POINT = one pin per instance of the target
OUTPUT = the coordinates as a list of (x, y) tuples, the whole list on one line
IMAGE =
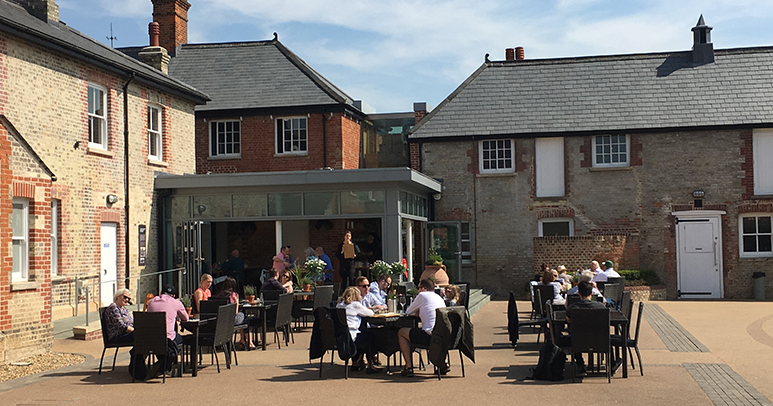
[(549, 155), (763, 164)]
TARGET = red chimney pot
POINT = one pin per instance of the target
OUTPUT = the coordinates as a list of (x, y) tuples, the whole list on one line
[(518, 53), (509, 54), (154, 31)]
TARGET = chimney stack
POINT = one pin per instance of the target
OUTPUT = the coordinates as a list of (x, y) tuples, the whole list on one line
[(155, 55), (45, 10), (518, 53), (509, 54), (702, 49), (172, 18)]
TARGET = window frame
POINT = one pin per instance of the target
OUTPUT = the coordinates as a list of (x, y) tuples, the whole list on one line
[(304, 139), (158, 133), (23, 274), (101, 119), (741, 235), (569, 220), (466, 254), (625, 164), (214, 153), (482, 160), (758, 156)]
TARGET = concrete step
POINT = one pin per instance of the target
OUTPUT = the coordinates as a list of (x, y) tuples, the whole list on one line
[(477, 299)]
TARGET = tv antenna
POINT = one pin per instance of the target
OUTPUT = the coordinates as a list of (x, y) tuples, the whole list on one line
[(111, 37)]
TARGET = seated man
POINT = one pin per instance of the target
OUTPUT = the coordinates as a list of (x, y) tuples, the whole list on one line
[(585, 289), (328, 270), (609, 272), (272, 283), (375, 298), (166, 302), (424, 304), (585, 276)]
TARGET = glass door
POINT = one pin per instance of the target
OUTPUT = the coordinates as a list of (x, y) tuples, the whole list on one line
[(445, 237)]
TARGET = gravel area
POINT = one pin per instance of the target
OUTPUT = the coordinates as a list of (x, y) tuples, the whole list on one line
[(39, 363)]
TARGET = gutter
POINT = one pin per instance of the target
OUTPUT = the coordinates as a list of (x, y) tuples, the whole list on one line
[(126, 173)]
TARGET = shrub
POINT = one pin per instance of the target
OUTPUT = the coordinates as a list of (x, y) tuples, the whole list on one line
[(636, 277)]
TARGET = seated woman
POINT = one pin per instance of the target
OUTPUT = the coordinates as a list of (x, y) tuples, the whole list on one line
[(229, 291), (549, 278), (120, 325), (202, 293), (451, 295), (286, 279), (351, 300)]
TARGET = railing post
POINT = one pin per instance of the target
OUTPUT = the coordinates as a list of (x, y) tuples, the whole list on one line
[(77, 296), (87, 305)]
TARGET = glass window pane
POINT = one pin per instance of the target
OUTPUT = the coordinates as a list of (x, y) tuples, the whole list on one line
[(749, 225), (749, 243), (322, 203), (285, 204), (250, 205), (763, 242), (18, 220), (555, 228), (212, 206), (17, 259), (365, 202), (763, 225)]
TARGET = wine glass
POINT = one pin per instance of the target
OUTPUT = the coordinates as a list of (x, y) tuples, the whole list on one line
[(402, 303)]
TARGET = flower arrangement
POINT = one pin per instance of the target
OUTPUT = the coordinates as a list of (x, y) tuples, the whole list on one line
[(314, 267), (398, 268), (381, 268), (433, 258)]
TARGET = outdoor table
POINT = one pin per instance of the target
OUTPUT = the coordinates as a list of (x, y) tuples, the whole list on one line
[(194, 325), (252, 311), (385, 327), (616, 319)]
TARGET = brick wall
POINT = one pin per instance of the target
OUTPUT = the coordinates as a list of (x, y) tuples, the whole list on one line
[(634, 203), (44, 95), (258, 146), (578, 251), (172, 18)]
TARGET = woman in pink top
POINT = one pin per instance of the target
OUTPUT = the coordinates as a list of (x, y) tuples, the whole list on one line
[(230, 288), (202, 293)]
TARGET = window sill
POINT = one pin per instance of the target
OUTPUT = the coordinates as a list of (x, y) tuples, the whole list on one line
[(611, 169), (495, 175), (99, 152), (58, 278), (757, 256), (291, 154), (24, 285), (153, 162), (762, 197), (224, 157), (550, 198)]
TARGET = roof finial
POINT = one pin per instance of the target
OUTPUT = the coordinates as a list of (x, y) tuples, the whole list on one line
[(487, 60), (276, 37), (702, 49)]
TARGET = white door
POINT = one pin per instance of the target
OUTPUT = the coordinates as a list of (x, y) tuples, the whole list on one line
[(699, 257), (549, 166), (109, 271)]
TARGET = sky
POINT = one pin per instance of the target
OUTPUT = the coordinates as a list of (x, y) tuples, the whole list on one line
[(391, 53)]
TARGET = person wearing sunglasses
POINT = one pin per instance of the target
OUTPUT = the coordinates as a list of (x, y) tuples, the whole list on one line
[(120, 325)]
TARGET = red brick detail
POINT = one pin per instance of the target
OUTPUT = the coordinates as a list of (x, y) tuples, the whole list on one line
[(755, 208), (747, 166), (172, 19), (635, 152), (415, 156), (6, 209), (474, 166), (561, 212), (112, 216), (90, 336), (23, 189), (691, 206), (578, 251), (586, 149)]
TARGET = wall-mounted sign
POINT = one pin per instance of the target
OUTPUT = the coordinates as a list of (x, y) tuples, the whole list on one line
[(143, 250)]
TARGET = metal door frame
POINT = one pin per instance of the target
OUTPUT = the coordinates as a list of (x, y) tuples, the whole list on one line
[(458, 253)]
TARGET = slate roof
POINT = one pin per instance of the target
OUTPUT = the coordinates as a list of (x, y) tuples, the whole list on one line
[(57, 36), (246, 75), (607, 94)]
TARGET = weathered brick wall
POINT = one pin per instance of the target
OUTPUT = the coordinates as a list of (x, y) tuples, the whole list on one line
[(577, 252), (635, 202), (44, 94)]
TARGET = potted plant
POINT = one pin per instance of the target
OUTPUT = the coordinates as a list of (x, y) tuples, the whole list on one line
[(399, 269), (249, 294), (434, 268), (314, 269), (381, 268), (186, 301)]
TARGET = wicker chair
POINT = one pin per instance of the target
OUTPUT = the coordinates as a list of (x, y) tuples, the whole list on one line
[(107, 343)]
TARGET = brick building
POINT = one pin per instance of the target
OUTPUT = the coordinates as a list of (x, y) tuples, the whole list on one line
[(84, 130), (654, 161)]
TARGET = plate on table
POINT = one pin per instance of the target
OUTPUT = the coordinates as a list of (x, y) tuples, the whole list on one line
[(385, 315)]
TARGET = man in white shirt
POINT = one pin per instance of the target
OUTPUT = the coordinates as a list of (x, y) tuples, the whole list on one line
[(609, 272), (595, 268), (424, 304)]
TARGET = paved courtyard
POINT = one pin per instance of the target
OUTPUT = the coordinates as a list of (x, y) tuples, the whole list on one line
[(694, 353)]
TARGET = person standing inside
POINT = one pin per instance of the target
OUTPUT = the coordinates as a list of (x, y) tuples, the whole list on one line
[(234, 266), (346, 253), (282, 259)]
